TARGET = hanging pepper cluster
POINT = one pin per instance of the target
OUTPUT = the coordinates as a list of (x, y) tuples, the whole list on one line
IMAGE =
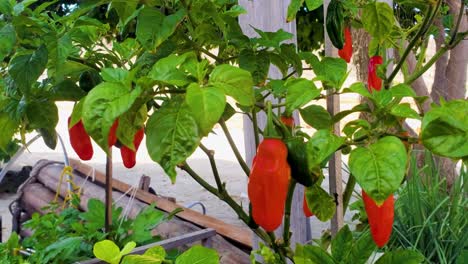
[(82, 145), (380, 218)]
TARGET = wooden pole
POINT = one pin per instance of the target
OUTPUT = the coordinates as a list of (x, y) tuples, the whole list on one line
[(108, 218), (334, 166), (269, 15)]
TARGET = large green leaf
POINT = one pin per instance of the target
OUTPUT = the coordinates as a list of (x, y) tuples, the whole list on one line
[(102, 106), (67, 90), (379, 168), (293, 8), (153, 27), (308, 254), (313, 4), (331, 71), (235, 82), (378, 19), (271, 39), (25, 69), (207, 106), (299, 93), (320, 202), (9, 127), (59, 48), (108, 251), (7, 40), (401, 256), (316, 116), (198, 255), (320, 146), (404, 110), (257, 64), (42, 114), (167, 70), (172, 135), (445, 129), (342, 243), (362, 249)]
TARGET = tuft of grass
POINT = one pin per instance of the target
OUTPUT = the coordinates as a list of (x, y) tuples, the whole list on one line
[(430, 219)]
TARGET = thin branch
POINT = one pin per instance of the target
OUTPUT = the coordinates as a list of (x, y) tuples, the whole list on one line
[(255, 128), (455, 30), (427, 20), (214, 168), (287, 213), (234, 148)]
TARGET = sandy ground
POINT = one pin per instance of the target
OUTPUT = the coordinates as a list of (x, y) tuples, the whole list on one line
[(185, 190)]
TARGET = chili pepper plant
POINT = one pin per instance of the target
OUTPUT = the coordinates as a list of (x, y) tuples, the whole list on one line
[(168, 67)]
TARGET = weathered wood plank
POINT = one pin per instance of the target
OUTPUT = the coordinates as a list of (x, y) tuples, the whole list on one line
[(334, 166)]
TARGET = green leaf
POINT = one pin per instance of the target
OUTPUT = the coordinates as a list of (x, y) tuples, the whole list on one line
[(402, 90), (329, 70), (102, 106), (153, 28), (117, 75), (445, 129), (379, 168), (271, 39), (342, 243), (308, 254), (235, 82), (7, 40), (59, 48), (167, 70), (313, 4), (362, 249), (404, 110), (145, 221), (401, 256), (66, 90), (299, 93), (128, 248), (257, 64), (156, 252), (94, 217), (172, 135), (316, 116), (207, 106), (42, 114), (360, 89), (25, 69), (378, 19), (293, 8), (107, 251), (9, 127), (198, 255), (320, 203), (320, 146)]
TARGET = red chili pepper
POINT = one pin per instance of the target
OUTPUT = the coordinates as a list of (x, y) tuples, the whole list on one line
[(380, 218), (288, 121), (268, 183), (112, 139), (347, 51), (305, 208), (128, 155), (373, 81), (80, 140)]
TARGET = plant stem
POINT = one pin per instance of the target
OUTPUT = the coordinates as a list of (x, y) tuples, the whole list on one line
[(234, 148), (348, 192), (428, 16), (455, 30), (422, 70), (255, 128), (287, 213), (214, 168), (224, 196), (108, 215)]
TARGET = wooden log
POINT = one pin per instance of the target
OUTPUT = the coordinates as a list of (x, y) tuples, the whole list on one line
[(240, 235), (48, 173)]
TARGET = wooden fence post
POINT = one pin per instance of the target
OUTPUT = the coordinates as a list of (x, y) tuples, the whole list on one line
[(270, 15)]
